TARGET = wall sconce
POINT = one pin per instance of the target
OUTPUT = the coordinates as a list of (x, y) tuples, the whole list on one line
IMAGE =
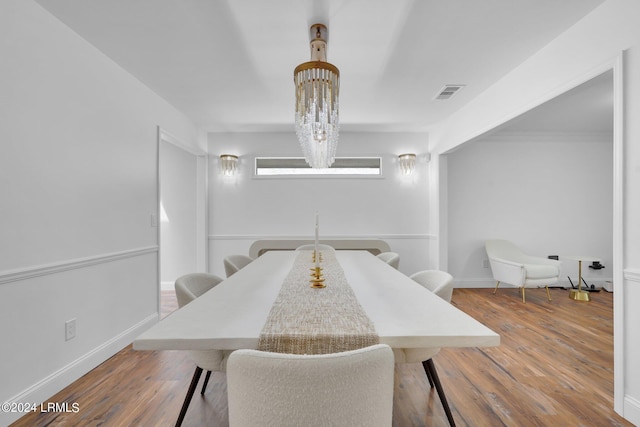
[(228, 164), (407, 163)]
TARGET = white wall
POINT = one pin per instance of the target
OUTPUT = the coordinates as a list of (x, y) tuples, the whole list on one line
[(78, 185), (582, 52), (393, 208), (550, 194)]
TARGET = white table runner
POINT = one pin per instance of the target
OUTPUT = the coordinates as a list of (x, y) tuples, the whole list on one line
[(305, 320)]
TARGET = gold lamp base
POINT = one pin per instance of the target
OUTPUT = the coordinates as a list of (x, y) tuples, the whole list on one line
[(579, 295)]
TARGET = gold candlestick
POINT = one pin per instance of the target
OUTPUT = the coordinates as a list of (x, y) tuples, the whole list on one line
[(317, 281)]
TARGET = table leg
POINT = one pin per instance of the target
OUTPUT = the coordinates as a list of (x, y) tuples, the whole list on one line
[(579, 294)]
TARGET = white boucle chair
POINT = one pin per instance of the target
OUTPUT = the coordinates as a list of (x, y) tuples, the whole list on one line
[(188, 288), (441, 284), (233, 263), (510, 265), (352, 388), (391, 258)]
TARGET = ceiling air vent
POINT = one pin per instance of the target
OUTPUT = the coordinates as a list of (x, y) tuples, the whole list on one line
[(448, 91)]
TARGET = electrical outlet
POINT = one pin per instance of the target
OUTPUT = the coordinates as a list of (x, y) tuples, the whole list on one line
[(485, 263), (70, 329)]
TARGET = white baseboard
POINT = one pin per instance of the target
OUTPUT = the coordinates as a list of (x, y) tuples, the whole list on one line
[(167, 286), (490, 283), (52, 384), (632, 410)]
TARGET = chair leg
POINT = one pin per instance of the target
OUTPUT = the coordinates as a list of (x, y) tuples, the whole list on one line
[(440, 390), (497, 284), (523, 298), (548, 294), (206, 381), (428, 372), (187, 399)]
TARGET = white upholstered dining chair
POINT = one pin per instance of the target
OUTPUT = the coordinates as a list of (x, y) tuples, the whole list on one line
[(391, 258), (441, 284), (510, 265), (233, 263), (188, 288), (352, 388)]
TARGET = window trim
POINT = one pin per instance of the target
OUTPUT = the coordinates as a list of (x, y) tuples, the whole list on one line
[(298, 164)]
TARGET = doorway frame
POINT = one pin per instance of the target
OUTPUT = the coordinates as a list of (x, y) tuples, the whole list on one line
[(202, 247), (440, 221)]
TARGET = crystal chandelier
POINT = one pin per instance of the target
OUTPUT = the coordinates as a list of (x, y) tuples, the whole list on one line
[(317, 85)]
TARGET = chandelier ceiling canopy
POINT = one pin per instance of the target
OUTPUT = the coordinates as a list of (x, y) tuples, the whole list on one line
[(317, 87)]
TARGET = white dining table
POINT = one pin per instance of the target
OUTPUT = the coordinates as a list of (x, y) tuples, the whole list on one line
[(231, 315)]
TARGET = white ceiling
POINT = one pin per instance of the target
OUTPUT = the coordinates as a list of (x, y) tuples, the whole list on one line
[(228, 64)]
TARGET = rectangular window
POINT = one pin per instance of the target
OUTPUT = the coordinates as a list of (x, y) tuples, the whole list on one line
[(297, 166)]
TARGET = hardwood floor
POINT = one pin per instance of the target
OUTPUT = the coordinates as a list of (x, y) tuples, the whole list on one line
[(554, 367)]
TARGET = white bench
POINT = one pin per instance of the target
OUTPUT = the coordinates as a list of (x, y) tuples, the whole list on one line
[(375, 246)]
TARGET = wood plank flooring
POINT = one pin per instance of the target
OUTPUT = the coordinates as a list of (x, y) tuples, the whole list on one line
[(554, 367)]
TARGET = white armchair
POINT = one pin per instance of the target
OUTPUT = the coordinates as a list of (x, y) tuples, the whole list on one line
[(510, 265)]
